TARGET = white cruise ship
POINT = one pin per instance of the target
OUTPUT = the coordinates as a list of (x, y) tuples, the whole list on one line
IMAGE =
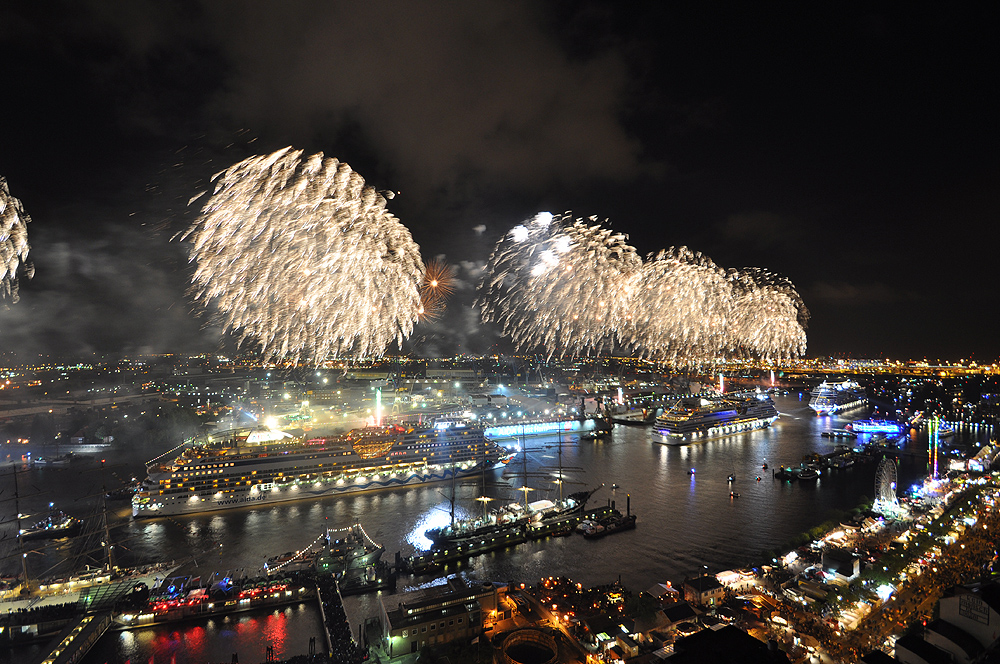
[(259, 468), (828, 398), (700, 418)]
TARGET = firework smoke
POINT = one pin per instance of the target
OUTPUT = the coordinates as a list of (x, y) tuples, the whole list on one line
[(299, 255), (13, 243), (576, 288)]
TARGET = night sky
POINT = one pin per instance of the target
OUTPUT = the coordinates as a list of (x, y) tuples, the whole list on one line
[(853, 150)]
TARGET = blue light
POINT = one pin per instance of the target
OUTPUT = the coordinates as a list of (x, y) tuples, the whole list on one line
[(507, 430), (876, 426)]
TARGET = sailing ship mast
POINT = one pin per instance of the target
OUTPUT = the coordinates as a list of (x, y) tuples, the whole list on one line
[(20, 535)]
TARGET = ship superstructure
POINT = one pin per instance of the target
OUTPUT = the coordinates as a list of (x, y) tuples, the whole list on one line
[(700, 418), (259, 467), (828, 398)]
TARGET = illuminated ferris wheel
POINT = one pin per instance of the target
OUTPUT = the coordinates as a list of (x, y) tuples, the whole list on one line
[(886, 501)]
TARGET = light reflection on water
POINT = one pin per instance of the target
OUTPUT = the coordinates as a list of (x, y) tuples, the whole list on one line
[(287, 630), (684, 522)]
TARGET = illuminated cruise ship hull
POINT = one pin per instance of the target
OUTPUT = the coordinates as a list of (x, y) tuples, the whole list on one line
[(731, 415), (207, 479), (258, 496)]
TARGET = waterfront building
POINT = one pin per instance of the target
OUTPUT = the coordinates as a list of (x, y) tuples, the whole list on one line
[(488, 400), (601, 632), (704, 590), (974, 610), (959, 644), (968, 625), (663, 591), (844, 565), (625, 647), (677, 613), (442, 614), (727, 644)]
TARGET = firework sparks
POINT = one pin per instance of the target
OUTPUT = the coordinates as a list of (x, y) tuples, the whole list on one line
[(437, 286), (300, 255), (769, 316), (559, 283), (13, 243), (575, 288), (682, 303)]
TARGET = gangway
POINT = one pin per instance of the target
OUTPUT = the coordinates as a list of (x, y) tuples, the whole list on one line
[(78, 638)]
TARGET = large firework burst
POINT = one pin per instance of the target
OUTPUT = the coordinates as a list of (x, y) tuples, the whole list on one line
[(560, 283), (769, 316), (299, 255), (574, 288), (682, 304), (13, 243)]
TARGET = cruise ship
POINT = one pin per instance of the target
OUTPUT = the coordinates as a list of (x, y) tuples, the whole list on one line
[(261, 467), (700, 418), (828, 398)]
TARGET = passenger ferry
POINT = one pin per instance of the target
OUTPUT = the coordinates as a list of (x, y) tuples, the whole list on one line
[(260, 467), (828, 398), (700, 418)]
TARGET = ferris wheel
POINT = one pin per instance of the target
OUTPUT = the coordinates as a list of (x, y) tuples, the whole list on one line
[(886, 501)]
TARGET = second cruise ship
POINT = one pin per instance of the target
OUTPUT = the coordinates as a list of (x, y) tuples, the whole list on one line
[(700, 418), (828, 398)]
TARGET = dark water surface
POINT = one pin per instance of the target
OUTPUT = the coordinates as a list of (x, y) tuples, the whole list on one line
[(685, 522)]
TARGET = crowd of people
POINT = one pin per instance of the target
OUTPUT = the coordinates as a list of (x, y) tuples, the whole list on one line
[(344, 649), (969, 558)]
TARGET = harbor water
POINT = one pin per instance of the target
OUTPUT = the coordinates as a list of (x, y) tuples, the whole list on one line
[(687, 522)]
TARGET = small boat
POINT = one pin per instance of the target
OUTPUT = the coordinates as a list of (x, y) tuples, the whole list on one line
[(732, 477), (807, 475), (789, 474), (54, 526), (54, 461), (733, 494), (764, 466), (691, 471)]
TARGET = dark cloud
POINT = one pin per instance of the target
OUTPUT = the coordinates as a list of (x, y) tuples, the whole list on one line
[(439, 90), (850, 295), (755, 230)]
